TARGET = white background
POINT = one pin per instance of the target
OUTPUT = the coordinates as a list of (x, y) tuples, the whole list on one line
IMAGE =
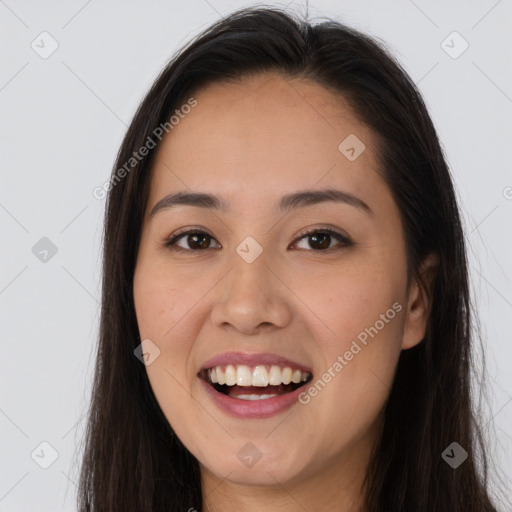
[(62, 121)]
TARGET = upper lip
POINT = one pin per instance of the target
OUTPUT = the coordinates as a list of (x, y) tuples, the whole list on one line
[(265, 358)]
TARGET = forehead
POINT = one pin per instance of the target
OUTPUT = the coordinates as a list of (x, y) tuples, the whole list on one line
[(264, 134)]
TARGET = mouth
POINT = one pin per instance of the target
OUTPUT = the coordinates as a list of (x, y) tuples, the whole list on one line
[(251, 383)]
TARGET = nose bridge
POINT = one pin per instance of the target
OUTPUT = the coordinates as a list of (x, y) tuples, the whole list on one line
[(251, 275), (251, 294)]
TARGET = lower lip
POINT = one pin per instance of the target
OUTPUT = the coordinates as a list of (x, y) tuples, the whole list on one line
[(252, 408)]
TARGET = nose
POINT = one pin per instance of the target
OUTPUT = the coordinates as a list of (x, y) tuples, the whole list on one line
[(251, 297)]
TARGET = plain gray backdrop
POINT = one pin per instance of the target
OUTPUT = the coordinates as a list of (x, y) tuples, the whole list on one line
[(72, 75)]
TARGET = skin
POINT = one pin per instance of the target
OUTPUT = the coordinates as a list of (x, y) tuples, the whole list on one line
[(251, 143)]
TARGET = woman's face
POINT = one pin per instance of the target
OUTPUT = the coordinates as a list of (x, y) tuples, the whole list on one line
[(251, 295)]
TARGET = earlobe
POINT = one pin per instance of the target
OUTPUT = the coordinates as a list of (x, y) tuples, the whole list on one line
[(419, 302)]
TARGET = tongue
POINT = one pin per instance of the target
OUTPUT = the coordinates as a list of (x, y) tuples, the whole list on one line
[(258, 390)]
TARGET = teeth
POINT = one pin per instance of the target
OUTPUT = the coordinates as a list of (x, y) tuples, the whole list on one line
[(254, 397), (230, 375), (243, 376), (286, 376), (260, 376), (274, 376)]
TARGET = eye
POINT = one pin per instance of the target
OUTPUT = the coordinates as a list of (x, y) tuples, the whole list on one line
[(320, 239), (196, 240)]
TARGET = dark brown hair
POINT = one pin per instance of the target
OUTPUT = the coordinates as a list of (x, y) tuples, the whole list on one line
[(133, 460)]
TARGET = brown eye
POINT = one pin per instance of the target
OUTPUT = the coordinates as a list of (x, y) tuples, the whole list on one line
[(198, 241), (320, 240), (193, 240)]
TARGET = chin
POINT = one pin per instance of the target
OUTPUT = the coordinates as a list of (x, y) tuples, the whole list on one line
[(249, 467)]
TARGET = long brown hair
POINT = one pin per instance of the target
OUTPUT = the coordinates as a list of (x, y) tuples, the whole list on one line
[(133, 460)]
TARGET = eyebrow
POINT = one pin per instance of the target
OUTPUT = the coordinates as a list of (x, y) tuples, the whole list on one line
[(288, 202)]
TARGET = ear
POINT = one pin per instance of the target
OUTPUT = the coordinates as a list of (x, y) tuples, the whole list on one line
[(419, 302)]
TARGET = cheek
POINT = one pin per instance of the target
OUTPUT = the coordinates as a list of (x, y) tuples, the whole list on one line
[(163, 306), (164, 310), (165, 315), (155, 306), (361, 308), (350, 298)]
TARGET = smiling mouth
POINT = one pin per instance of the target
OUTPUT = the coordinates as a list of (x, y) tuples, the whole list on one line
[(259, 383)]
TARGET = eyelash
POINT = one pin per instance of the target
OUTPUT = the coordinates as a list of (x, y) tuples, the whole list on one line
[(345, 241)]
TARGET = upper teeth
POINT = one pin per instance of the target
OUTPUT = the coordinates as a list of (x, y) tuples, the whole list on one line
[(259, 376)]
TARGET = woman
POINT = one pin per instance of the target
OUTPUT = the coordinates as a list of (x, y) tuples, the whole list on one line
[(286, 317)]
